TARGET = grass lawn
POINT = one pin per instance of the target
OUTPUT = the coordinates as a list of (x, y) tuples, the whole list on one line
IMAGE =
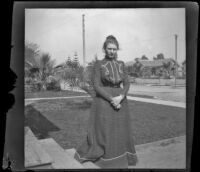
[(66, 121), (41, 94)]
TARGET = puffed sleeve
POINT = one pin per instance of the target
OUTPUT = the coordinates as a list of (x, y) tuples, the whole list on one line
[(97, 83), (126, 83)]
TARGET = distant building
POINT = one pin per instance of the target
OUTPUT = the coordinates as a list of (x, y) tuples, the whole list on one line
[(60, 67), (59, 71), (149, 68)]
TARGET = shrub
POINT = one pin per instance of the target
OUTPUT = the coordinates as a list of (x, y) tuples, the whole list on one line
[(37, 86), (53, 85), (27, 88), (28, 80)]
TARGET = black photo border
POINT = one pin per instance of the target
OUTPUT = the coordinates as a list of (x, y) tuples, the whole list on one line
[(12, 122)]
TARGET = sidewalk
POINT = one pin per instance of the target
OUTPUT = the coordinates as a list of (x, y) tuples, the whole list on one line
[(161, 102), (176, 94), (168, 154), (162, 154)]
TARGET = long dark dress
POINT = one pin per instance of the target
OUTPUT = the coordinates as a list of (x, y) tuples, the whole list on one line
[(109, 140)]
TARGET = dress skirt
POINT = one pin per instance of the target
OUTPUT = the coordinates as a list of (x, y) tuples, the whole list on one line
[(109, 142)]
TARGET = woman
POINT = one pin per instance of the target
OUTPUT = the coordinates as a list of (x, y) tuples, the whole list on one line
[(109, 141)]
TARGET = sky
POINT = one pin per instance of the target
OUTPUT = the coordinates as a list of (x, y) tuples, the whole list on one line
[(141, 31)]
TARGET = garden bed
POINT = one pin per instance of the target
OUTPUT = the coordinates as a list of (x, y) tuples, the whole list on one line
[(149, 122)]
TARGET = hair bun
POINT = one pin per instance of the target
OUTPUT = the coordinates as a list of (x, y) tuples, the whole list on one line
[(110, 37)]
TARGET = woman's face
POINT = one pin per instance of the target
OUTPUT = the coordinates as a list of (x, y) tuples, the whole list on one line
[(111, 50)]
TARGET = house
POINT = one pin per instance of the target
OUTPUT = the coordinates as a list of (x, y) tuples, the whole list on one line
[(150, 68), (58, 73), (60, 69)]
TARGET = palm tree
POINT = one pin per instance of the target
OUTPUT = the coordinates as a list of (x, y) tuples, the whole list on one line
[(38, 66), (45, 66), (31, 53), (42, 69)]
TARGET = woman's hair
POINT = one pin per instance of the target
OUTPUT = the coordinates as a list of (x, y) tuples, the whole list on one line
[(110, 39)]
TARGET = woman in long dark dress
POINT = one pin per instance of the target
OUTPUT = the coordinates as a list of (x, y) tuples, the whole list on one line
[(109, 140)]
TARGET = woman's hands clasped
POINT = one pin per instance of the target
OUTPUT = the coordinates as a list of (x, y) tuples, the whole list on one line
[(116, 101)]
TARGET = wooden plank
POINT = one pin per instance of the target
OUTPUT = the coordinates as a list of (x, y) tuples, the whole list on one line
[(34, 153), (88, 164), (70, 152), (40, 167), (61, 159)]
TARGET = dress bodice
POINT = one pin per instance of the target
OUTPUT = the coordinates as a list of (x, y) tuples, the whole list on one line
[(107, 74), (111, 71)]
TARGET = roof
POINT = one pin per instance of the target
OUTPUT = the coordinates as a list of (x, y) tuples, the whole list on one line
[(151, 63), (130, 63), (60, 65)]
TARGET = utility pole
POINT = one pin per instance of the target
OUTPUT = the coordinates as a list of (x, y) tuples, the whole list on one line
[(83, 22), (176, 36)]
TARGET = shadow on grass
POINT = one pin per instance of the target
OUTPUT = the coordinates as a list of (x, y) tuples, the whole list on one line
[(39, 124)]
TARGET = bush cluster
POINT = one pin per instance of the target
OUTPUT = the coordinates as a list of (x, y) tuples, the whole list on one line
[(53, 85)]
